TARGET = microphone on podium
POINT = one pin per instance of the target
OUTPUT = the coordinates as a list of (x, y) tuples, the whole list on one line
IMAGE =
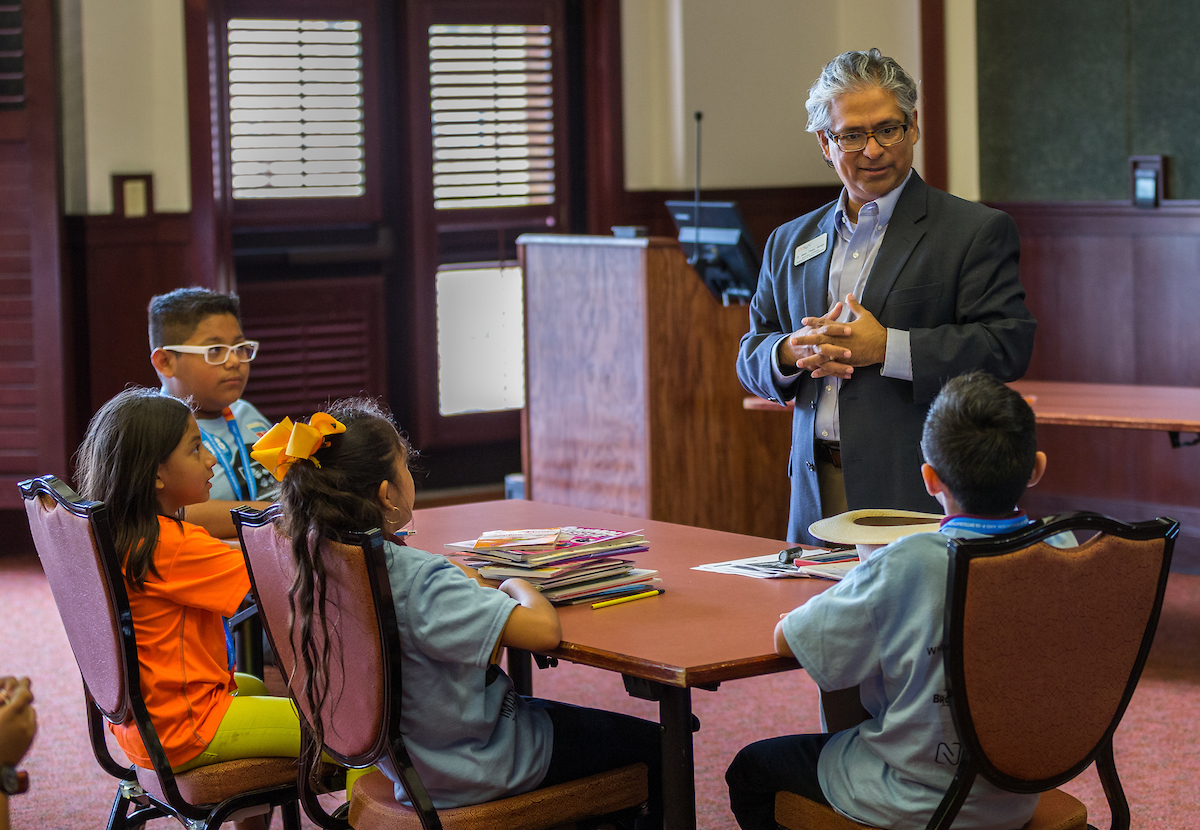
[(694, 260), (722, 253)]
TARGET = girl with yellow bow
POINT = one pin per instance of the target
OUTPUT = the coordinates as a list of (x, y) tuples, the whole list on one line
[(472, 739)]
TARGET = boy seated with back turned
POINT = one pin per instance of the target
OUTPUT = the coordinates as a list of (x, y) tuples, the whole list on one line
[(881, 629), (201, 356)]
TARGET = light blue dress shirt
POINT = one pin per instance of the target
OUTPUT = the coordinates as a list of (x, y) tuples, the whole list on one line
[(855, 247)]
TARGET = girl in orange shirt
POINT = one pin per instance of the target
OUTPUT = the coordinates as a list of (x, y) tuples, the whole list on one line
[(144, 459)]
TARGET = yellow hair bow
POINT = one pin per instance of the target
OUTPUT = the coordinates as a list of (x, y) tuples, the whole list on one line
[(286, 443)]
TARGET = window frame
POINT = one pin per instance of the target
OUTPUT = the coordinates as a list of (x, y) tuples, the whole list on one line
[(431, 427), (495, 12)]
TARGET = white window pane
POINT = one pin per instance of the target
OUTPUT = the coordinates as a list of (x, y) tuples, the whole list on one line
[(481, 339)]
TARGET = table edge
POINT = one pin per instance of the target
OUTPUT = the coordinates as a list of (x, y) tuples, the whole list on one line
[(668, 675)]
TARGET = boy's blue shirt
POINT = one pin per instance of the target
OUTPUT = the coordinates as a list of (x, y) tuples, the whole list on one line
[(219, 440), (881, 628)]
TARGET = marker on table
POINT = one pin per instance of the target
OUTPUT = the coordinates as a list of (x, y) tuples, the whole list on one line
[(619, 600)]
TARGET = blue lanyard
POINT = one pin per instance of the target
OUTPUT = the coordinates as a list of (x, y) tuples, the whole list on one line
[(989, 526), (230, 652), (236, 433)]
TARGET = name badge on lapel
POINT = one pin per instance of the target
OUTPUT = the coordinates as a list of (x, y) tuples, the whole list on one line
[(811, 248)]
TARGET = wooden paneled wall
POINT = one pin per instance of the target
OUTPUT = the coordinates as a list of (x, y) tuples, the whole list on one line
[(120, 264), (323, 339), (1116, 291), (36, 397)]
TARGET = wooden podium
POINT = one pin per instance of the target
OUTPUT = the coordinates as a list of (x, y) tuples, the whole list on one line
[(633, 405)]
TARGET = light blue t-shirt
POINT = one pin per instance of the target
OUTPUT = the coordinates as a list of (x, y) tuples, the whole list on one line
[(219, 440), (471, 741), (881, 628)]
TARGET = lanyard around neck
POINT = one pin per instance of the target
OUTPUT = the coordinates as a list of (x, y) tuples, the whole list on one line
[(226, 465), (985, 525)]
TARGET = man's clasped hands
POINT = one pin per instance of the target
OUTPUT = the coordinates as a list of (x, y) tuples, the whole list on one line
[(826, 347)]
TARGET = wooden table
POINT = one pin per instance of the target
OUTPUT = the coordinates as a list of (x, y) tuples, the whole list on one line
[(1170, 409), (707, 628)]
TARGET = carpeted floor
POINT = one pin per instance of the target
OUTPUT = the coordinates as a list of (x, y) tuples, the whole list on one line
[(1158, 743)]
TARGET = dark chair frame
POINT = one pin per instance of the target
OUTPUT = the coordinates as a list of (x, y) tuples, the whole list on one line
[(129, 792), (974, 760), (390, 743)]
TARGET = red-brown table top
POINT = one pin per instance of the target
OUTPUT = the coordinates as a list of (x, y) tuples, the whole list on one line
[(1124, 406), (706, 628)]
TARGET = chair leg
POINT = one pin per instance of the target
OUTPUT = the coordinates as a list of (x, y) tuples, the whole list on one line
[(291, 815), (964, 777), (121, 819), (117, 816), (1107, 768)]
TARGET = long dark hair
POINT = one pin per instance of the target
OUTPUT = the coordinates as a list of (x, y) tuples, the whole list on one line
[(118, 462), (335, 495)]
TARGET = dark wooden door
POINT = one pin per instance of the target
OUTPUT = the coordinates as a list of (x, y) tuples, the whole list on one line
[(36, 419)]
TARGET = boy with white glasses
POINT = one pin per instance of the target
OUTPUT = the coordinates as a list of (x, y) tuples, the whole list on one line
[(202, 357)]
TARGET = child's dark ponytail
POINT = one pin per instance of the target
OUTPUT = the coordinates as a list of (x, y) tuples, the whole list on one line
[(334, 493)]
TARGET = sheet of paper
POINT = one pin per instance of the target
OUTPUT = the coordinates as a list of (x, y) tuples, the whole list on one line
[(769, 567), (759, 567)]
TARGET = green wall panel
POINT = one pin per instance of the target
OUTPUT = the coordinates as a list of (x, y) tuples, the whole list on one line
[(1165, 82), (1054, 91)]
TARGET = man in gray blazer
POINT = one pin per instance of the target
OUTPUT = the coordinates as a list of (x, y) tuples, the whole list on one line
[(867, 306)]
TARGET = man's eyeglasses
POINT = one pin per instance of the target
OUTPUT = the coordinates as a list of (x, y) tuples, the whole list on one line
[(855, 142), (218, 355)]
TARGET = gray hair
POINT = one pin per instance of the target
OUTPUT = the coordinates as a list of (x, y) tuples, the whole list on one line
[(855, 72)]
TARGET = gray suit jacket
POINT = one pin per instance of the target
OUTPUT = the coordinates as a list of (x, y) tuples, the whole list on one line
[(947, 273)]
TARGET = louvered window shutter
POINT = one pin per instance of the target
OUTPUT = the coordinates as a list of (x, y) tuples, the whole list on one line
[(320, 344), (492, 116), (296, 108), (12, 57)]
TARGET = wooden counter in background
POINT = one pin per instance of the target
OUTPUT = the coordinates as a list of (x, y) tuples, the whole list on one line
[(1170, 409)]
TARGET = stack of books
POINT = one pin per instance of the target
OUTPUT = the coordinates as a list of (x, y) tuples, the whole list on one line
[(569, 565)]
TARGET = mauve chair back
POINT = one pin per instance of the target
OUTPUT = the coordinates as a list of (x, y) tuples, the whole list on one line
[(82, 584), (357, 705), (1053, 642)]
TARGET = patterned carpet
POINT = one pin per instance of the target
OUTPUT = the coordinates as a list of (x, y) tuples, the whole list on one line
[(1157, 745)]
